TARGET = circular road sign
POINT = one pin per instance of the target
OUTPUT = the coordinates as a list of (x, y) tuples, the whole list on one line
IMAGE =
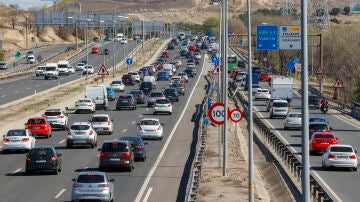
[(129, 61), (216, 113), (319, 76), (236, 115)]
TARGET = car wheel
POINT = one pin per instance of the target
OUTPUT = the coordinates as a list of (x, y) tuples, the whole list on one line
[(131, 167), (59, 169), (170, 113), (285, 128), (155, 113), (160, 138), (27, 172), (323, 165), (64, 128), (92, 145), (68, 145)]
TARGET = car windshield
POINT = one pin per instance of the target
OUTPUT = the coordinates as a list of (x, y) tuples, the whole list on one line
[(132, 140), (52, 113), (16, 133), (114, 147), (329, 136), (81, 64), (91, 178), (80, 127), (36, 121), (50, 68), (41, 68), (162, 101), (280, 104), (318, 127), (341, 149), (99, 119), (149, 122)]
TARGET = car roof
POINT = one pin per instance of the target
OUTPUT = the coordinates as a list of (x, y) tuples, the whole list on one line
[(99, 115), (144, 119), (340, 145), (53, 110), (91, 172), (81, 123), (318, 123), (119, 141)]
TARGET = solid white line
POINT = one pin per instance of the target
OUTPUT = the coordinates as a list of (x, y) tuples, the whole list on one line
[(153, 168), (17, 170), (59, 194), (3, 96), (133, 122), (124, 130), (146, 197), (62, 141)]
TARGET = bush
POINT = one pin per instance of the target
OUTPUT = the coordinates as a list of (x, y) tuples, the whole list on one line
[(64, 32)]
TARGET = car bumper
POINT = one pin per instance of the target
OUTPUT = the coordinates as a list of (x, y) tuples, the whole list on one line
[(128, 106), (162, 109), (150, 135), (80, 141), (101, 196), (16, 146), (114, 162), (262, 97), (57, 124), (281, 113), (341, 163), (41, 167), (102, 130), (292, 125), (83, 109)]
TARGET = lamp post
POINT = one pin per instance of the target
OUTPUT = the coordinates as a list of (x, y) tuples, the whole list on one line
[(114, 48), (76, 32)]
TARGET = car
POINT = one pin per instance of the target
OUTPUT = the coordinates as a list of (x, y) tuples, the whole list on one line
[(192, 48), (102, 124), (43, 159), (80, 66), (318, 127), (264, 76), (162, 105), (183, 53), (117, 85), (189, 54), (204, 46), (81, 133), (3, 66), (270, 103), (191, 62), (153, 96), (71, 69), (147, 87), (39, 126), (240, 75), (123, 40), (166, 54), (144, 71), (180, 86), (320, 141), (170, 46), (262, 94), (85, 105), (184, 76), (117, 39), (150, 128), (292, 121), (314, 101), (116, 154), (138, 146), (162, 75), (255, 88), (279, 108), (110, 93), (135, 76), (340, 156), (126, 101), (172, 94), (56, 117), (92, 185), (197, 55), (169, 71), (106, 51), (139, 96), (95, 50), (317, 119), (88, 69), (39, 71), (127, 79), (18, 139)]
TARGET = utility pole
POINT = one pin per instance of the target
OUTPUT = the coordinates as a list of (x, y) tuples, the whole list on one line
[(26, 32)]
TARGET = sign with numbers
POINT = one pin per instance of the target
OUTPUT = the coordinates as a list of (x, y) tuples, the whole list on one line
[(236, 115), (216, 113)]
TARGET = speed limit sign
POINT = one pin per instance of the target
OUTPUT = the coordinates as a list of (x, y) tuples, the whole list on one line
[(216, 113), (236, 115)]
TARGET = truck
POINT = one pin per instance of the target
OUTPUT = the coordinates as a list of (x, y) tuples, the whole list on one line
[(255, 80), (282, 87), (98, 93)]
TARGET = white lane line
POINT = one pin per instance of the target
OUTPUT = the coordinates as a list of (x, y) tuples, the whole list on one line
[(27, 88), (146, 197), (62, 141), (16, 171), (60, 193), (140, 116), (124, 130), (3, 96), (133, 122), (153, 168)]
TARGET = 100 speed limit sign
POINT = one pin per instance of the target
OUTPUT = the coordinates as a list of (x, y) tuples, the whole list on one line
[(216, 113)]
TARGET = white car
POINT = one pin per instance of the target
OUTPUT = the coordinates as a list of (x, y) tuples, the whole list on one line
[(163, 105), (255, 88), (169, 71), (175, 78), (197, 55), (123, 41), (117, 85), (81, 133), (117, 39), (57, 118), (240, 76), (102, 124), (340, 156), (71, 69), (88, 69), (18, 139), (292, 120), (263, 94), (135, 76), (39, 71), (80, 67), (279, 108), (85, 104), (150, 128)]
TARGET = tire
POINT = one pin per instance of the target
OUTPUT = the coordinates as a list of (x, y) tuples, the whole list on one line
[(27, 172), (130, 168), (64, 128), (323, 165), (46, 78), (92, 145), (68, 146), (285, 128), (170, 113)]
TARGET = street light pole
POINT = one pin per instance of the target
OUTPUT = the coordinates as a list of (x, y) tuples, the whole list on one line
[(114, 48)]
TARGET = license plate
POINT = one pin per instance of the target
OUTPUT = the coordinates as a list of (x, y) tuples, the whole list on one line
[(40, 161), (80, 141), (341, 157), (125, 101), (324, 143), (114, 159), (15, 140), (79, 133), (36, 127)]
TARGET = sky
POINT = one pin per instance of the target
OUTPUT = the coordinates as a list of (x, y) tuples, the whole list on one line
[(25, 4)]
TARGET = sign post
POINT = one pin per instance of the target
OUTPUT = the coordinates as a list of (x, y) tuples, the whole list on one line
[(129, 62), (319, 77), (337, 85)]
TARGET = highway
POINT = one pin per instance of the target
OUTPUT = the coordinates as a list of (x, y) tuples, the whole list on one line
[(16, 89), (166, 166)]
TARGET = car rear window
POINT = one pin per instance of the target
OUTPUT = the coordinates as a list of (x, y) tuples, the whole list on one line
[(149, 122), (124, 97), (117, 82), (80, 127), (16, 133), (41, 153), (36, 121), (90, 178), (294, 115), (317, 120), (114, 147), (132, 140), (162, 101), (84, 100), (318, 127), (52, 113), (329, 136), (280, 104), (99, 119), (156, 95), (341, 149)]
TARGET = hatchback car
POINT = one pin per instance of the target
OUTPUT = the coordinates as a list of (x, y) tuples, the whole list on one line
[(116, 154), (128, 79), (184, 76), (38, 126), (95, 50), (135, 76), (320, 141), (318, 127), (110, 93), (292, 121), (43, 159), (179, 86), (92, 185), (153, 96), (117, 85), (138, 146), (147, 87), (18, 139), (270, 103), (80, 66), (191, 72), (166, 54), (183, 52), (279, 108), (85, 105), (39, 71), (81, 133), (171, 94), (262, 94), (163, 105), (126, 101), (102, 124), (163, 75), (340, 156), (139, 96), (88, 69), (57, 118), (150, 128)]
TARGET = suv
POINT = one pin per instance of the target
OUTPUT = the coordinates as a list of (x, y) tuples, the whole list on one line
[(51, 71), (138, 146), (81, 133), (116, 153), (153, 96), (39, 71), (147, 87), (126, 101), (57, 118), (43, 159), (279, 108), (102, 124), (314, 101), (171, 94)]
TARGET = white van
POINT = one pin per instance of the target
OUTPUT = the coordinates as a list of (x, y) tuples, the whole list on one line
[(51, 71), (98, 93), (63, 66), (30, 59), (170, 67), (150, 79)]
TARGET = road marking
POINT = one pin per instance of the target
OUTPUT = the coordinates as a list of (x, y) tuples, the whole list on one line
[(133, 122), (140, 116), (147, 194), (27, 88), (16, 171), (62, 141), (16, 92), (60, 193), (3, 96), (161, 154), (124, 130)]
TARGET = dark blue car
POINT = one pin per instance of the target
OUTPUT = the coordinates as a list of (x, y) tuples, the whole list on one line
[(138, 146), (110, 93), (162, 76)]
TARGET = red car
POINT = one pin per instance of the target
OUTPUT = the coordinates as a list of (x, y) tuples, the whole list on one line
[(166, 54), (265, 77), (234, 72), (192, 48), (321, 140), (39, 126), (95, 50)]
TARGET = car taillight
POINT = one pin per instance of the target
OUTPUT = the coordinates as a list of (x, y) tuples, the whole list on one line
[(352, 156), (61, 116), (90, 105), (103, 155), (314, 141), (25, 139), (77, 185), (103, 185), (109, 123), (53, 158), (327, 130), (26, 127), (159, 128), (69, 132), (137, 147), (91, 132), (126, 155), (331, 156), (6, 140), (28, 158)]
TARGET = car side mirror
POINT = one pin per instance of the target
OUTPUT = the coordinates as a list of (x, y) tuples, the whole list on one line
[(331, 128), (112, 180)]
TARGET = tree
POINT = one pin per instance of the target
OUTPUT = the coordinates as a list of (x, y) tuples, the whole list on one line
[(357, 91), (347, 10), (335, 11), (14, 17), (211, 23)]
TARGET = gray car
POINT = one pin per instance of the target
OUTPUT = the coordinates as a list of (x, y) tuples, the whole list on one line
[(92, 185), (153, 96)]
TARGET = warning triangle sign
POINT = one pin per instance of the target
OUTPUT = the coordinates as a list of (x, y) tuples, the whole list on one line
[(103, 71), (319, 71), (338, 84)]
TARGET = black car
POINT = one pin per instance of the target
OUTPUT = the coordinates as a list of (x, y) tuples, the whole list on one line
[(204, 46), (175, 41), (127, 79), (106, 51), (190, 71), (314, 101), (171, 94), (190, 54), (183, 52), (116, 154), (126, 101), (43, 159), (139, 96), (147, 87), (138, 146), (171, 46)]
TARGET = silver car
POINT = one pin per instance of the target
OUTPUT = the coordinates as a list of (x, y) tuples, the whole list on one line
[(150, 128), (92, 185), (262, 94), (18, 139), (292, 120), (81, 133), (102, 124), (341, 156), (280, 108)]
